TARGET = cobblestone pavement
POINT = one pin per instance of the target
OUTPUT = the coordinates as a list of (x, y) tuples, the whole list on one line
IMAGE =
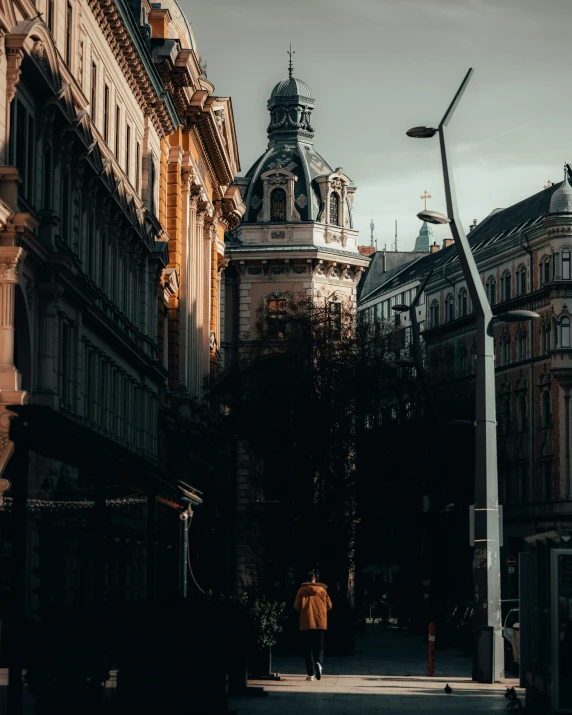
[(387, 674)]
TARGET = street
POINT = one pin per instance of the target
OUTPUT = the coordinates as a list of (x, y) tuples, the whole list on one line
[(386, 674)]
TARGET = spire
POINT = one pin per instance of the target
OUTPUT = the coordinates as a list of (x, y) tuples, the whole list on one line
[(561, 201), (371, 228), (423, 241), (290, 65)]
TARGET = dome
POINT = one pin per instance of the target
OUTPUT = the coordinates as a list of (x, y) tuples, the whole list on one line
[(561, 201), (291, 87), (179, 27)]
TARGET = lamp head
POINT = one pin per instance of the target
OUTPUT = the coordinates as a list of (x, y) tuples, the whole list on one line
[(400, 308), (515, 315), (421, 132), (433, 217)]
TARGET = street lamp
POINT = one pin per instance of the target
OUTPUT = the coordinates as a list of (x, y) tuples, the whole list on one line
[(488, 658)]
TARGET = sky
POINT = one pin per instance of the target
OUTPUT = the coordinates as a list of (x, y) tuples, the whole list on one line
[(378, 67)]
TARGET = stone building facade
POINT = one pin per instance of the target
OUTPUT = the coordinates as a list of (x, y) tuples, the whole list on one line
[(296, 238), (116, 165), (523, 254)]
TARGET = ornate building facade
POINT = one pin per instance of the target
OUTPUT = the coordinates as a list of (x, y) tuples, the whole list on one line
[(296, 238), (116, 165), (523, 253)]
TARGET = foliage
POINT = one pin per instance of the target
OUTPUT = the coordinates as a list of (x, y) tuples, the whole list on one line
[(267, 619)]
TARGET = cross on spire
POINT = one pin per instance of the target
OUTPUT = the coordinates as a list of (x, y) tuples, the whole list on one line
[(290, 65), (426, 195)]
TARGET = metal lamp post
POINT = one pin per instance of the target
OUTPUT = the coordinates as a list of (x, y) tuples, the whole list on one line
[(488, 658)]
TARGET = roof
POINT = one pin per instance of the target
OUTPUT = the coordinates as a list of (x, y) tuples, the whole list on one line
[(292, 87), (304, 248)]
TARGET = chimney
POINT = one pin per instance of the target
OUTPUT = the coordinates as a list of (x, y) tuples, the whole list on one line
[(473, 225), (434, 248), (447, 242)]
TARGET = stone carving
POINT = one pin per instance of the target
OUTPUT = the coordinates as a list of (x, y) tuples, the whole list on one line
[(320, 270), (256, 202), (283, 162), (255, 270), (337, 184), (277, 179), (277, 270), (332, 237), (299, 269), (14, 59), (39, 54), (302, 201), (9, 269), (278, 234)]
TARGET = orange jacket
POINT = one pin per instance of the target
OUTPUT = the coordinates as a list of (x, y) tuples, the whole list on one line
[(313, 603)]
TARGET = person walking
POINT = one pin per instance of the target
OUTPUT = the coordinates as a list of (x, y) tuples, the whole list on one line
[(313, 603)]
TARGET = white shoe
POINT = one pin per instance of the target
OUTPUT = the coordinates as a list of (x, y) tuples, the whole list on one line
[(319, 671), (309, 677)]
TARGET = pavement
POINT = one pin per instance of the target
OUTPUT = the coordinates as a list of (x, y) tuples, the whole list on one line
[(386, 674)]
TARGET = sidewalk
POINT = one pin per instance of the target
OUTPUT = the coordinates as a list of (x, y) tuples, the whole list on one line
[(387, 674)]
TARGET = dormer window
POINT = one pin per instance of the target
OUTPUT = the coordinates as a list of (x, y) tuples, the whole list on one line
[(278, 205), (334, 208)]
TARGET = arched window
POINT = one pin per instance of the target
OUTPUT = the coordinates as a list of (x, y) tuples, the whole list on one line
[(506, 415), (462, 303), (522, 281), (522, 422), (522, 345), (546, 271), (449, 308), (492, 291), (546, 410), (434, 313), (506, 287), (565, 333), (566, 274), (278, 205), (505, 349), (545, 333), (334, 209), (554, 334)]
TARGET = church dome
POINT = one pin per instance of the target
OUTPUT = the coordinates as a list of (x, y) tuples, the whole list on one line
[(561, 201), (291, 87)]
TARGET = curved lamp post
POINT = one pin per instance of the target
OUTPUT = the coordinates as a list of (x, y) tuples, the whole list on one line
[(488, 658)]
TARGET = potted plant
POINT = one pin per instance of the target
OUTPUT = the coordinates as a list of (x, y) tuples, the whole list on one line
[(266, 618)]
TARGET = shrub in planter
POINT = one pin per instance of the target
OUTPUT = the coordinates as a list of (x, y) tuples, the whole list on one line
[(266, 619)]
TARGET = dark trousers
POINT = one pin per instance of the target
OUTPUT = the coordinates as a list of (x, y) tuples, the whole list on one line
[(314, 649)]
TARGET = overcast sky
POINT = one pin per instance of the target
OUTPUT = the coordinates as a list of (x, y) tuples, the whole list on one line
[(378, 67)]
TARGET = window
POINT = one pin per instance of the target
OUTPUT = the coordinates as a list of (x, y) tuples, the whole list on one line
[(546, 410), (69, 18), (522, 279), (127, 150), (522, 345), (462, 303), (505, 349), (555, 343), (103, 260), (522, 422), (492, 291), (90, 244), (449, 308), (137, 168), (93, 91), (117, 129), (151, 185), (547, 270), (523, 482), (278, 205), (335, 319), (566, 265), (461, 359), (334, 208), (51, 16), (65, 365), (276, 317), (47, 178), (106, 113), (547, 482), (565, 333), (545, 334), (23, 146), (506, 286), (65, 217), (506, 415), (434, 313)]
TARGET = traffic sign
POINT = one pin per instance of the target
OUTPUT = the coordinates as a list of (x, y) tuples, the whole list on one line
[(511, 562)]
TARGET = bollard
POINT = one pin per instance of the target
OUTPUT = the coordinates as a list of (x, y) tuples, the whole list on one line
[(431, 663)]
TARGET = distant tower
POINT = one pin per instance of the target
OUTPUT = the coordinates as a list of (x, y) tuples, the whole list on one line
[(371, 227), (396, 235)]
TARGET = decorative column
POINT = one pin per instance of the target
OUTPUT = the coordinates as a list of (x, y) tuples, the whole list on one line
[(199, 328), (48, 295)]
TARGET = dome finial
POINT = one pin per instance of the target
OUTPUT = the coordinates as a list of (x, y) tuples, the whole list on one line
[(561, 200), (290, 65)]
